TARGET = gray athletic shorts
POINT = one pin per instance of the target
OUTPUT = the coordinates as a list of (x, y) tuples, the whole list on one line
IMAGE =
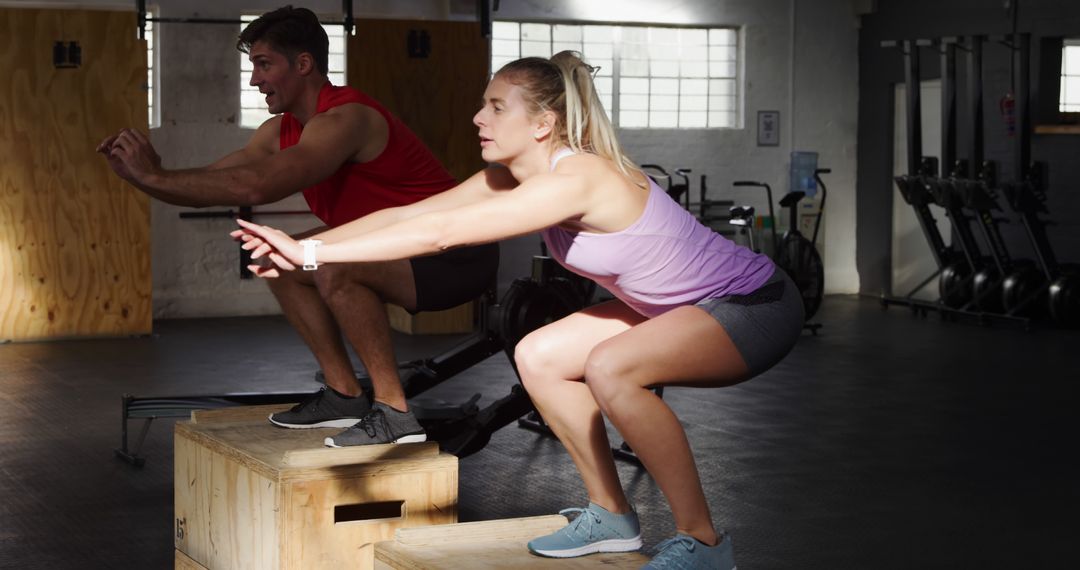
[(765, 324)]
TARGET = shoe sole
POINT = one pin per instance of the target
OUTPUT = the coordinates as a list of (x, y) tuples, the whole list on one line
[(612, 545), (415, 438), (340, 423)]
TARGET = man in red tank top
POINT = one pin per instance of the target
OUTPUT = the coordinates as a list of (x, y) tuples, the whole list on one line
[(351, 159)]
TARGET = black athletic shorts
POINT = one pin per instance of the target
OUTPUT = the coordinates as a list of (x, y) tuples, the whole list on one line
[(449, 279)]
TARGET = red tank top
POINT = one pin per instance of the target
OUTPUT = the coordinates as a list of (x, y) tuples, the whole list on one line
[(404, 173)]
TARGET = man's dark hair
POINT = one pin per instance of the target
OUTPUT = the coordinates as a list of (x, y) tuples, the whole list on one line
[(289, 31)]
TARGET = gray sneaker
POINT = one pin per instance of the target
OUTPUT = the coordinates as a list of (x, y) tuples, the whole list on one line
[(594, 530), (325, 408), (382, 424), (684, 552)]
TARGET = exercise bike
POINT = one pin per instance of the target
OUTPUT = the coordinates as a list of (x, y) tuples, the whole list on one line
[(793, 252), (743, 218), (679, 191)]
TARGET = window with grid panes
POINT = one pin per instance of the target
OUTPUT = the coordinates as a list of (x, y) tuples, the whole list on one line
[(1070, 77), (253, 111), (153, 109), (663, 77)]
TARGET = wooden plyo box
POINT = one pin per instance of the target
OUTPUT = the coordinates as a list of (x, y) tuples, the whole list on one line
[(459, 319), (487, 545), (249, 495), (182, 561)]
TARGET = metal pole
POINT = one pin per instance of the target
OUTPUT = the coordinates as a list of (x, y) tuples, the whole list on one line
[(484, 7), (140, 11), (346, 6), (948, 107), (245, 255), (914, 111), (975, 104), (1021, 51)]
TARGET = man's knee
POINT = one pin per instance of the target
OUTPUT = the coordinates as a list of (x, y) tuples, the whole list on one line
[(288, 281), (344, 282), (341, 281)]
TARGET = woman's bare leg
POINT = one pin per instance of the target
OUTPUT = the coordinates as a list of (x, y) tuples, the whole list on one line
[(687, 347), (551, 361)]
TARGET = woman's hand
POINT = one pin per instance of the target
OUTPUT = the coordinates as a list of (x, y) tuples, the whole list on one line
[(283, 252)]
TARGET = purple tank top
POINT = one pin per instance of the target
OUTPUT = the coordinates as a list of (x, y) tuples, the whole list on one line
[(663, 260)]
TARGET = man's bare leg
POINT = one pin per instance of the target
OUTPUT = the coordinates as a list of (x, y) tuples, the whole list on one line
[(315, 302), (311, 317), (355, 294)]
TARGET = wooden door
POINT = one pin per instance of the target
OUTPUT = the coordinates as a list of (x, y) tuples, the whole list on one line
[(435, 95), (74, 238)]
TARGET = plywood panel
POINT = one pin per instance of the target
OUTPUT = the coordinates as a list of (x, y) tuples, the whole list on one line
[(436, 96), (238, 414), (488, 545), (74, 239), (427, 490), (525, 528), (454, 320), (225, 515), (182, 562), (268, 449)]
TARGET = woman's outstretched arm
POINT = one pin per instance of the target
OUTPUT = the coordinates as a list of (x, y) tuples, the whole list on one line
[(488, 183), (540, 202)]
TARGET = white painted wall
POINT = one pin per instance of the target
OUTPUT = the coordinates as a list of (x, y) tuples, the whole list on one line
[(912, 258), (825, 93), (800, 58)]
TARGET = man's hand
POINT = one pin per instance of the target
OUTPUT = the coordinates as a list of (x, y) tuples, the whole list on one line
[(131, 156)]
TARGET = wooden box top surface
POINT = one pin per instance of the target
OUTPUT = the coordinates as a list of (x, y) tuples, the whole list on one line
[(246, 435), (487, 545)]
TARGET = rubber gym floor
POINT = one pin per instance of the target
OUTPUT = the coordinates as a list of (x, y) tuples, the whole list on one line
[(888, 441)]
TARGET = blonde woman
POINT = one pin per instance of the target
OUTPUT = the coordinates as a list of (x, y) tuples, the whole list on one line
[(691, 308)]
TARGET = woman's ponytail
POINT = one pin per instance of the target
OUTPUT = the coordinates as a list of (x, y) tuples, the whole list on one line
[(564, 85)]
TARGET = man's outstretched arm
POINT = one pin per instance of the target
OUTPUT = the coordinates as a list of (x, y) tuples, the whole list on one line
[(254, 175)]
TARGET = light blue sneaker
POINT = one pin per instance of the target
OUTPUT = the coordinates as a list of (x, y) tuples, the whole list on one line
[(684, 552), (594, 530)]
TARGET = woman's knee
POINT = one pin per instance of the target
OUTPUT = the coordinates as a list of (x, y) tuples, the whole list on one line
[(535, 355), (608, 374), (532, 353)]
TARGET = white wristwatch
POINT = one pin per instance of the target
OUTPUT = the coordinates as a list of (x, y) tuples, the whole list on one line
[(309, 246)]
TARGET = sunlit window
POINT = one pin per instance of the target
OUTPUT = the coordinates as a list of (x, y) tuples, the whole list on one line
[(1070, 77), (153, 108), (664, 77)]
